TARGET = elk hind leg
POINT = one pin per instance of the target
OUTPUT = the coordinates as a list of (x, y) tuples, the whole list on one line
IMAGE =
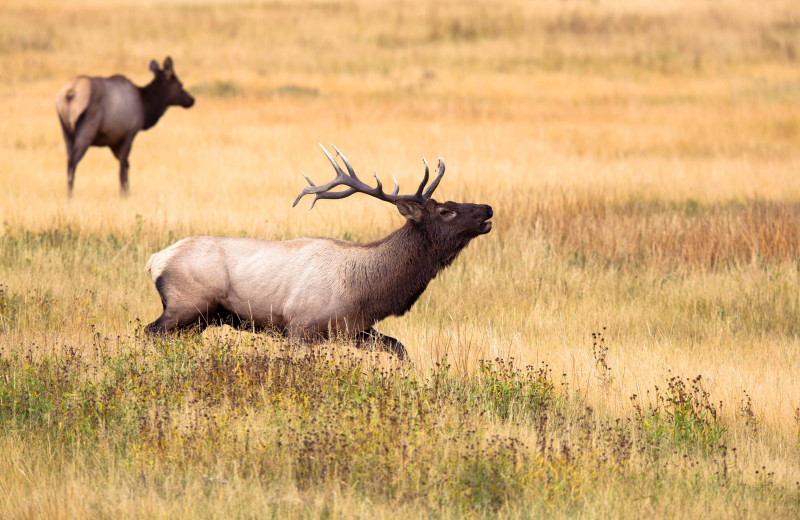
[(174, 320), (69, 142), (85, 131), (180, 312)]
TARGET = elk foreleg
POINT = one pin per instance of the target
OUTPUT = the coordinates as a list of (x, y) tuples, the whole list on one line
[(387, 343), (183, 309), (121, 151)]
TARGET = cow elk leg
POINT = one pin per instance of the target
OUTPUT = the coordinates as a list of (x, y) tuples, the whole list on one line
[(121, 152), (84, 134)]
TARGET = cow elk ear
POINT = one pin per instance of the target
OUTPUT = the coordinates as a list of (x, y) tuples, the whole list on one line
[(410, 210), (168, 72), (154, 67)]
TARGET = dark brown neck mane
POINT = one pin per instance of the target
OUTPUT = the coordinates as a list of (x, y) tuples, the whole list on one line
[(154, 101), (398, 269)]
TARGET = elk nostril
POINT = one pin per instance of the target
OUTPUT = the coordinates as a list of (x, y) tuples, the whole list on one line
[(489, 210)]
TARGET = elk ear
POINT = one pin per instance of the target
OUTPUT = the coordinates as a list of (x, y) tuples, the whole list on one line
[(168, 72), (154, 67), (410, 210)]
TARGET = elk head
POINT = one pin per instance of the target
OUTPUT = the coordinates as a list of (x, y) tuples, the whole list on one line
[(171, 85)]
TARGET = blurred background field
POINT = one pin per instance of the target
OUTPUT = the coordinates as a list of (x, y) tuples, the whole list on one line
[(641, 158)]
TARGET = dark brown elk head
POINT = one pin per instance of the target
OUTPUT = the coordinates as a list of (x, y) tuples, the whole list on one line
[(168, 83)]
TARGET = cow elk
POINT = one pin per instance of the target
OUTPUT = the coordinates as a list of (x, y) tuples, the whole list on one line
[(111, 111), (312, 288)]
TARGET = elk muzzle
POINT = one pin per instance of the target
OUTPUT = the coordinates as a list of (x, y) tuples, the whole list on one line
[(486, 224)]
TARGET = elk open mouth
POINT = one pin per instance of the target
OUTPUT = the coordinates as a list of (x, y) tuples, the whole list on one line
[(486, 225)]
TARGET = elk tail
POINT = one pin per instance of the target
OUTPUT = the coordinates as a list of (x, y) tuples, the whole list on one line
[(158, 262), (149, 266), (72, 101)]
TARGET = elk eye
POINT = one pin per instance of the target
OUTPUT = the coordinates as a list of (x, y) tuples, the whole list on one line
[(446, 212)]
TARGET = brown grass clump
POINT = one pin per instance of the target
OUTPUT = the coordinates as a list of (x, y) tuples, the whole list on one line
[(669, 236)]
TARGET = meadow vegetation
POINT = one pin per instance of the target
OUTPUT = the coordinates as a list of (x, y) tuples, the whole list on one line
[(625, 342)]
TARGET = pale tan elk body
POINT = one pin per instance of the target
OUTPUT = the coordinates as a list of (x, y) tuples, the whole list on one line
[(111, 111), (311, 287)]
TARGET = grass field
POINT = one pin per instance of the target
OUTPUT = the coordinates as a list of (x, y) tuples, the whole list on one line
[(624, 343)]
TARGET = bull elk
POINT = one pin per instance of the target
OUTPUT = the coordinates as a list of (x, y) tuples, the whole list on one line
[(111, 111), (310, 288)]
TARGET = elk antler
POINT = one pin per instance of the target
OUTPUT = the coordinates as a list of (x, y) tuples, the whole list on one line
[(356, 185)]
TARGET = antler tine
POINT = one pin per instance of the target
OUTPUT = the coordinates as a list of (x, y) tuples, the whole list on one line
[(353, 174), (435, 184), (336, 166), (319, 191), (304, 192), (309, 180), (391, 196), (424, 180), (346, 162)]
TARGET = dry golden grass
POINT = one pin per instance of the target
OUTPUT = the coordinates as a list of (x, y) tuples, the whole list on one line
[(642, 161)]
